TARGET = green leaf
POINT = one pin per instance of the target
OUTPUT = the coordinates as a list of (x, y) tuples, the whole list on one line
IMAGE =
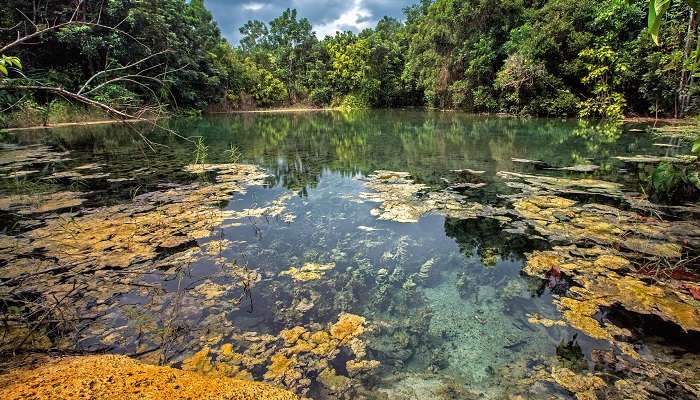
[(696, 146), (657, 9), (3, 70), (665, 178), (694, 178)]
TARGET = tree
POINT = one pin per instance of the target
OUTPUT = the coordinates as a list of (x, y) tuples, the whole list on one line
[(350, 71), (292, 43), (454, 50), (254, 36)]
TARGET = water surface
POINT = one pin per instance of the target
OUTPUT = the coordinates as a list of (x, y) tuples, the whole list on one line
[(444, 299)]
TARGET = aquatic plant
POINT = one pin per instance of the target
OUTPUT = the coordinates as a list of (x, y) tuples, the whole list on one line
[(308, 272), (201, 151), (233, 154)]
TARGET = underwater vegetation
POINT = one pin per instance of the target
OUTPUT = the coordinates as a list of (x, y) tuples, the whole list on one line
[(496, 278)]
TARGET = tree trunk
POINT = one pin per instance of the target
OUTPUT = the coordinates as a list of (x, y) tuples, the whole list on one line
[(686, 76)]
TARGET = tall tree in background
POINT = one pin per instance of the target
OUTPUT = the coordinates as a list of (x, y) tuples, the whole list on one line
[(292, 43)]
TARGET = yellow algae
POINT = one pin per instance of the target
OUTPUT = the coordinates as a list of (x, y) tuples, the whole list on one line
[(199, 362), (611, 262), (579, 315), (635, 295), (632, 294), (574, 261), (121, 235), (302, 346), (587, 325), (668, 250), (308, 272), (279, 366), (631, 390), (227, 350), (604, 225), (562, 184), (290, 336), (333, 382), (594, 225), (325, 349), (109, 377), (551, 201), (320, 337), (537, 319), (540, 262), (228, 356), (358, 347), (583, 386), (396, 194), (47, 202), (347, 327), (356, 367), (210, 290)]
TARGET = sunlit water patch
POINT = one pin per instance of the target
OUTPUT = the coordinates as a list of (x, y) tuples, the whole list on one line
[(315, 267)]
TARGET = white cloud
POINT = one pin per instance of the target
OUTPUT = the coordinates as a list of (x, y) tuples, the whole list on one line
[(357, 17), (253, 6)]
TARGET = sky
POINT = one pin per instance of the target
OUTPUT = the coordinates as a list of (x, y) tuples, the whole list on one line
[(326, 16)]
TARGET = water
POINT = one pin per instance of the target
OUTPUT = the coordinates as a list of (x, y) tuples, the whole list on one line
[(445, 303)]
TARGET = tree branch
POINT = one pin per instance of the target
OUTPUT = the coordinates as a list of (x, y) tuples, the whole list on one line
[(56, 27), (130, 65)]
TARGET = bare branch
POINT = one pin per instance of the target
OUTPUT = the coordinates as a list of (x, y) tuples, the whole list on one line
[(107, 71), (95, 104), (56, 27), (27, 18)]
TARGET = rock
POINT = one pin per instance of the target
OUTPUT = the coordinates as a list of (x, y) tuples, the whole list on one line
[(647, 159), (535, 163), (583, 168)]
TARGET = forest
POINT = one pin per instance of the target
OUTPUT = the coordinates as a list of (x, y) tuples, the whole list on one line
[(565, 58)]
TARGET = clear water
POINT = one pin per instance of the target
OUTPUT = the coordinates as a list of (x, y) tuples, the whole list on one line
[(464, 326)]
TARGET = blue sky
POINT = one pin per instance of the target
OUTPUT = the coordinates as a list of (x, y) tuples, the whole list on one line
[(326, 16)]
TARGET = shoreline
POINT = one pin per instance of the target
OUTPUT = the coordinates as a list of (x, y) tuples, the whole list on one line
[(69, 124), (628, 120), (273, 110)]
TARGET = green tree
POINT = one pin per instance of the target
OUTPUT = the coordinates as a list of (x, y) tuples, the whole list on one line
[(292, 42), (350, 71)]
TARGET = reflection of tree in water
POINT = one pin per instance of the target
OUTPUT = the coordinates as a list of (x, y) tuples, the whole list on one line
[(297, 147), (475, 236), (485, 238)]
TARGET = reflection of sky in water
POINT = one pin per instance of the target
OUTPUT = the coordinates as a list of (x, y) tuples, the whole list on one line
[(465, 319)]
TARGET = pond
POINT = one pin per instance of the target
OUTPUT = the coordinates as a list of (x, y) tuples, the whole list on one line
[(383, 254)]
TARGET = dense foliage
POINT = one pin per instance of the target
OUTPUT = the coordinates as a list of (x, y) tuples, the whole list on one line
[(546, 57)]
